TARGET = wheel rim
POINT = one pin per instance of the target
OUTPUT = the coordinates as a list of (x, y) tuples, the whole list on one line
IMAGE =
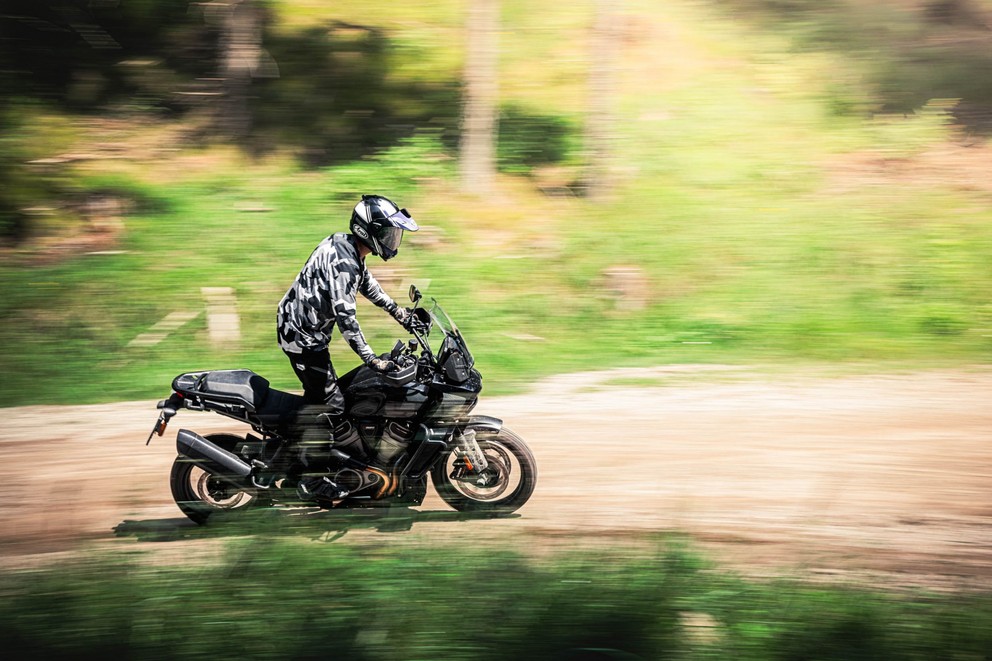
[(215, 493), (501, 479)]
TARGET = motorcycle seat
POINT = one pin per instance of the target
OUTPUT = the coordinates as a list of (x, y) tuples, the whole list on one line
[(245, 388), (268, 404), (242, 387)]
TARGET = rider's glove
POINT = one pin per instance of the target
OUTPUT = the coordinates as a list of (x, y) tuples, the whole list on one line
[(383, 365), (409, 321), (405, 317)]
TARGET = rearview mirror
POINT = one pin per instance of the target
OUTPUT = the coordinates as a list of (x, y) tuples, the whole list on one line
[(415, 295)]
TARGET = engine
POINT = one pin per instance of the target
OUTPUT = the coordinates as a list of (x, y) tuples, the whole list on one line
[(348, 440), (396, 436), (375, 442)]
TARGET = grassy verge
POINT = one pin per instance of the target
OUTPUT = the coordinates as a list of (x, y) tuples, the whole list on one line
[(270, 598)]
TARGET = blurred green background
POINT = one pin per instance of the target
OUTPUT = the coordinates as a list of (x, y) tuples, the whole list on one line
[(789, 181), (786, 182)]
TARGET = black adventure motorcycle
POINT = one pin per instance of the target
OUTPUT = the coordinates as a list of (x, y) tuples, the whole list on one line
[(399, 427)]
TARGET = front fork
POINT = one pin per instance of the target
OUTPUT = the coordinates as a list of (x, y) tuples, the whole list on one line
[(468, 451)]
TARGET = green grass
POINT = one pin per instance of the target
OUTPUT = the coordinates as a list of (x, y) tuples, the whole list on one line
[(751, 243), (270, 597)]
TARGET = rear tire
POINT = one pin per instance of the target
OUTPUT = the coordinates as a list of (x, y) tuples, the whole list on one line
[(513, 464), (198, 494)]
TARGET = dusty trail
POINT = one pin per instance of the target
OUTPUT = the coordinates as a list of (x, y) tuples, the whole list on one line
[(886, 474)]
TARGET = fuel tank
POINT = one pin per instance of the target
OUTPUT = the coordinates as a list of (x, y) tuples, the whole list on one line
[(370, 394)]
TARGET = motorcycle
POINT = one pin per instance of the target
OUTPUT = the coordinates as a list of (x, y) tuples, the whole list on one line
[(399, 428)]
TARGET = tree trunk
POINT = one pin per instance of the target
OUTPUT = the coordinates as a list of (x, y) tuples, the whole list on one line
[(479, 122), (240, 54), (600, 135)]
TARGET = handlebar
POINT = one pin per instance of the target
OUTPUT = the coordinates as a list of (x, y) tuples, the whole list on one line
[(401, 354)]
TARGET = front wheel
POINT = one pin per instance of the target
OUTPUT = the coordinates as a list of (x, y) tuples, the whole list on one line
[(502, 488), (198, 493)]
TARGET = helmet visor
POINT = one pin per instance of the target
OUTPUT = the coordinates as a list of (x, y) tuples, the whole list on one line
[(389, 238)]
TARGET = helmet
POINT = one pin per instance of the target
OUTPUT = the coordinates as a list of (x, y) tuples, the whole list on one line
[(379, 224)]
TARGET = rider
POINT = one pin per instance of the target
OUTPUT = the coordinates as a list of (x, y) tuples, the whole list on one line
[(324, 295)]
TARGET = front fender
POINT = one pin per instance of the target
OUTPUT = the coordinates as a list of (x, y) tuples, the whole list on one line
[(485, 422)]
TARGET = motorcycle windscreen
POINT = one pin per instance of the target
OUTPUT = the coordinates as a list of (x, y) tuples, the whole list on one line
[(448, 327)]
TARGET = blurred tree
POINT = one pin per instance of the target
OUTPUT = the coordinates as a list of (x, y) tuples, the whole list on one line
[(479, 121), (79, 53), (81, 56), (242, 58), (600, 135), (331, 96), (335, 99)]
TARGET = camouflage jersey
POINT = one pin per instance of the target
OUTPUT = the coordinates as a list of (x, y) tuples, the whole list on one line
[(324, 294)]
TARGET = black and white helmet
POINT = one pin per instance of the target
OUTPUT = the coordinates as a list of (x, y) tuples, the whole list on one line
[(379, 224)]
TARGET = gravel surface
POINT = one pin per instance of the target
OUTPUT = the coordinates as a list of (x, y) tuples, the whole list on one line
[(884, 475)]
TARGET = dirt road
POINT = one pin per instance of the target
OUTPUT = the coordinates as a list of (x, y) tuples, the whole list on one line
[(887, 475)]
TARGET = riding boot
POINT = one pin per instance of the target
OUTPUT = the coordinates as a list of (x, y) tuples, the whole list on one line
[(315, 452), (316, 436)]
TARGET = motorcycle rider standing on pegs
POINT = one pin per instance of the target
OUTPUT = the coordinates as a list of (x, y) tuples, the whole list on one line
[(323, 295)]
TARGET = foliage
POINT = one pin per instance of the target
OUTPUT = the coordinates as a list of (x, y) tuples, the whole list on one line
[(25, 184), (286, 598), (526, 140), (84, 55), (910, 54), (335, 99)]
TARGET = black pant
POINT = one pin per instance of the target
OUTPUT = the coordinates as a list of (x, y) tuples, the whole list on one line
[(320, 383)]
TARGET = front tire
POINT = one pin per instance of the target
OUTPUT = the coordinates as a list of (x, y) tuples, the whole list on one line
[(199, 494), (512, 465)]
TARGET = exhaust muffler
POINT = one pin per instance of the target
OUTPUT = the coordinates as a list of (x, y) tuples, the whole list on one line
[(215, 460)]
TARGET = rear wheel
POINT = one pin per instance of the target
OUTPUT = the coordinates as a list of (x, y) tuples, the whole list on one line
[(502, 488), (200, 494)]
